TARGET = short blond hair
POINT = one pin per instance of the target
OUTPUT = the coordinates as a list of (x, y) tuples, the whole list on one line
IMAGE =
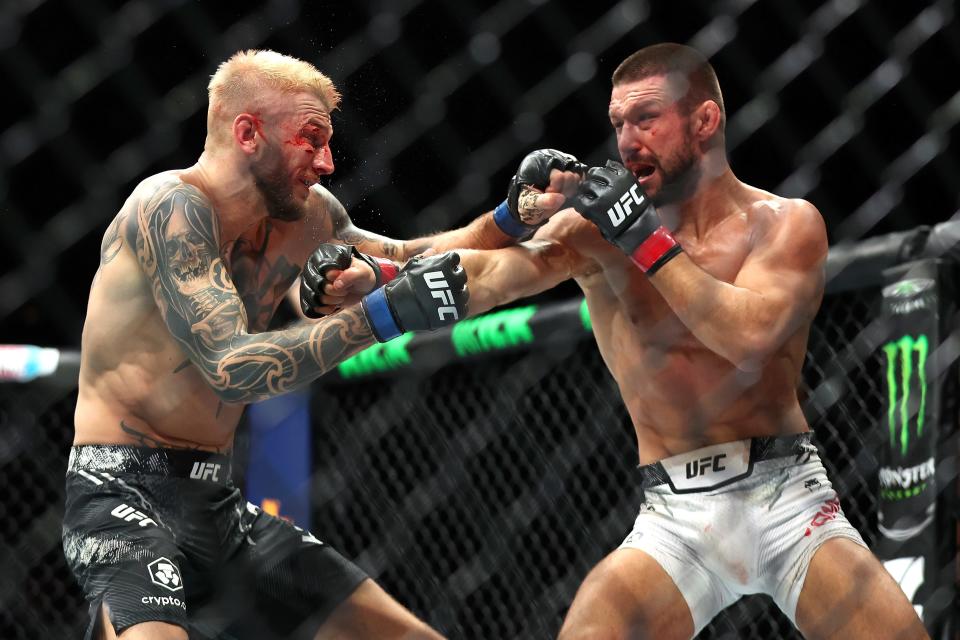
[(245, 80)]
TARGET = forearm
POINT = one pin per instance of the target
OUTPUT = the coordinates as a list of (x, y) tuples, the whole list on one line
[(737, 324), (250, 367), (483, 233), (504, 275)]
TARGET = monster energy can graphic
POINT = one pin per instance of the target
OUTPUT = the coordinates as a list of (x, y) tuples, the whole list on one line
[(911, 406), (906, 368)]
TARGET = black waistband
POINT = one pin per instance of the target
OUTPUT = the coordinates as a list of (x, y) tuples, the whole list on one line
[(762, 448), (102, 460)]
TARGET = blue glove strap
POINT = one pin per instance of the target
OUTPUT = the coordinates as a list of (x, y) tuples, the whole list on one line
[(379, 316), (506, 223)]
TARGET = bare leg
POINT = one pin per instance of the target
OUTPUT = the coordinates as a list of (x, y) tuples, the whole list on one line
[(370, 612), (848, 594), (628, 595)]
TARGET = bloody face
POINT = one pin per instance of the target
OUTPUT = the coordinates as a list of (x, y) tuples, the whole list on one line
[(654, 137), (294, 153)]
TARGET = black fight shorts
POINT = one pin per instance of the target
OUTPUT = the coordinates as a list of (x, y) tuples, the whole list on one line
[(163, 535)]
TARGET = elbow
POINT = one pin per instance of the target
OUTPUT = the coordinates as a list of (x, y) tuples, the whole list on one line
[(221, 379), (228, 394)]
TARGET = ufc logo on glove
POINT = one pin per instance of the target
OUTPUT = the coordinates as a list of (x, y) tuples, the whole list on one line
[(620, 210), (441, 291)]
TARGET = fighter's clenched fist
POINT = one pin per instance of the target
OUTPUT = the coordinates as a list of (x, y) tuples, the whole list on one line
[(611, 198)]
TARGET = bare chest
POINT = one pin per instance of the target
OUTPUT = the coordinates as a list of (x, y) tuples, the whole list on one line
[(263, 264), (637, 315)]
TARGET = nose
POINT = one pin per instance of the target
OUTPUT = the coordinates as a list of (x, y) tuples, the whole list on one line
[(323, 161), (629, 141)]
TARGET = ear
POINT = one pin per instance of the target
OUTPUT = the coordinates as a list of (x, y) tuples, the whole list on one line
[(706, 120), (246, 130)]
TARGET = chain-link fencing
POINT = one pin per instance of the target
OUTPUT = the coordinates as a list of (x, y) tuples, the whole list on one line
[(481, 495)]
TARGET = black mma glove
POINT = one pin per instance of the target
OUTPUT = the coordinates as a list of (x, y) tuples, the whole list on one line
[(611, 198), (427, 294), (335, 256), (534, 171)]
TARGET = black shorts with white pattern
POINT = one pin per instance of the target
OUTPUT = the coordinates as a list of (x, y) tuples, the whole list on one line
[(164, 535)]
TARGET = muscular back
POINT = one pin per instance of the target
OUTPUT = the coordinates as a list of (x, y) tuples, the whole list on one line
[(137, 384), (681, 394)]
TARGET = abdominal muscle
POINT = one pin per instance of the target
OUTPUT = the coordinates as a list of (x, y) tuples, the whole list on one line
[(140, 408)]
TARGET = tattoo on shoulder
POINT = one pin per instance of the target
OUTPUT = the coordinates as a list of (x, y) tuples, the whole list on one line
[(112, 239), (178, 247), (343, 228), (179, 251)]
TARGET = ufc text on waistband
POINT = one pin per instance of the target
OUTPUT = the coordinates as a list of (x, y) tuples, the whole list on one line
[(195, 465), (718, 465), (709, 467)]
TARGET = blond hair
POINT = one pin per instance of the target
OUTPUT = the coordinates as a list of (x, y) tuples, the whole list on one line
[(245, 81)]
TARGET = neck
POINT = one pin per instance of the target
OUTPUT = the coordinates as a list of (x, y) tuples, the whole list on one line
[(712, 199), (231, 190)]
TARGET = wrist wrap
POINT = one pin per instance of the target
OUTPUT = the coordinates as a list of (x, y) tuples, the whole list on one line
[(506, 223), (379, 315), (655, 251), (388, 271)]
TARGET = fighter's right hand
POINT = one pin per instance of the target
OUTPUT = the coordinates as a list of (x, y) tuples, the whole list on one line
[(536, 192), (427, 294), (336, 275)]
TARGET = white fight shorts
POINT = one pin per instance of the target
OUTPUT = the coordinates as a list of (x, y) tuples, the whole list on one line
[(738, 518)]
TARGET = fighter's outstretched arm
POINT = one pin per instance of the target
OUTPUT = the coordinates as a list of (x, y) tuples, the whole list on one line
[(504, 275), (481, 233), (544, 179)]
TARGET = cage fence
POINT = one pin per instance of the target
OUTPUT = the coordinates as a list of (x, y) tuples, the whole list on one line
[(482, 494)]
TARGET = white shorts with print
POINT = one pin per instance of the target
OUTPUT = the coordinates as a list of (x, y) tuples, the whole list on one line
[(753, 531)]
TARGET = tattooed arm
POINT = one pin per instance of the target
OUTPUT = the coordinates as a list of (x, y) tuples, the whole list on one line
[(178, 240), (482, 233)]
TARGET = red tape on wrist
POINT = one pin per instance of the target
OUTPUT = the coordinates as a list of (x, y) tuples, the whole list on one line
[(388, 270), (653, 248)]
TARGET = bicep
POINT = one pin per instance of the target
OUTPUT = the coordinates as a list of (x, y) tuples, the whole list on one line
[(343, 231), (178, 250)]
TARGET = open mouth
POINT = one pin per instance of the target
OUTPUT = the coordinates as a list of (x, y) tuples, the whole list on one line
[(644, 171)]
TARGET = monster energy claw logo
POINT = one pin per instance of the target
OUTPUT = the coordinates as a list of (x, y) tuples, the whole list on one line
[(901, 352)]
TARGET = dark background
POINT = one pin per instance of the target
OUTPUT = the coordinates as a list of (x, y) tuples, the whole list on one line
[(850, 104), (482, 515)]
